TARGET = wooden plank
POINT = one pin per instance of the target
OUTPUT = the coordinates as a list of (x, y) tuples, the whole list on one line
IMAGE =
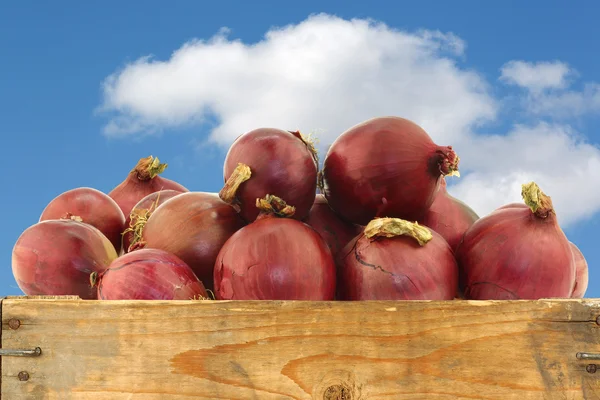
[(142, 350)]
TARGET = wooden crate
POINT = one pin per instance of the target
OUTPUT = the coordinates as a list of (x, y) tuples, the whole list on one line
[(150, 350)]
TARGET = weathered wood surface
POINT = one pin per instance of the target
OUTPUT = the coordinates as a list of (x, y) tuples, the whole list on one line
[(297, 350)]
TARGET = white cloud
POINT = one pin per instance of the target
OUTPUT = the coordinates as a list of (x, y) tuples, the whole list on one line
[(554, 156), (536, 76), (566, 103), (327, 74), (548, 93), (324, 74)]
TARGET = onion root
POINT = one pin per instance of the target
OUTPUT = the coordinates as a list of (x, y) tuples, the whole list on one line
[(149, 167), (273, 205), (391, 227), (239, 175), (539, 203)]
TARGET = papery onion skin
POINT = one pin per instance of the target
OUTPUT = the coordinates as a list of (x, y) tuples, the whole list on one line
[(275, 258), (397, 267), (148, 274), (283, 164), (449, 216), (335, 231), (516, 253), (581, 273), (143, 210), (56, 257), (385, 167), (142, 180), (93, 207), (193, 226)]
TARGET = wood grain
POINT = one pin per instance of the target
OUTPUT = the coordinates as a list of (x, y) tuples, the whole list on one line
[(150, 350)]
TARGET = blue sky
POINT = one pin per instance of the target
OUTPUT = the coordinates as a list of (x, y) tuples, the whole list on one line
[(514, 121)]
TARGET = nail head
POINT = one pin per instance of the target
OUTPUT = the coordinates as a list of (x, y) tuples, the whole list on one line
[(23, 376), (591, 368), (14, 323)]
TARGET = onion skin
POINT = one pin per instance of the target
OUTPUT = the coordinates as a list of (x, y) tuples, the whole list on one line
[(282, 164), (512, 205), (93, 207), (148, 274), (581, 273), (517, 253), (141, 181), (143, 210), (56, 257), (193, 226), (385, 167), (449, 216), (275, 258), (397, 267), (335, 231)]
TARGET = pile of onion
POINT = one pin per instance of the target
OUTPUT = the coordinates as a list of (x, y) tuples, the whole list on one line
[(335, 231), (142, 180), (385, 167), (396, 259), (270, 161), (92, 207), (142, 211), (581, 273), (56, 257), (148, 274), (275, 258), (517, 252), (449, 216), (193, 226)]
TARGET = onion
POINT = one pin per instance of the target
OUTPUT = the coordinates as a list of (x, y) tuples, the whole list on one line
[(449, 216), (581, 273), (397, 260), (56, 257), (148, 274), (335, 231), (275, 258), (142, 211), (512, 205), (270, 161), (92, 207), (517, 253), (141, 181), (193, 226), (385, 167)]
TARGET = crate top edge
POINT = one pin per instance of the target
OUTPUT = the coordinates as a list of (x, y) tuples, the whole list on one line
[(588, 301)]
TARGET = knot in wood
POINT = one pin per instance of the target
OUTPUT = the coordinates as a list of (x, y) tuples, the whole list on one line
[(338, 392)]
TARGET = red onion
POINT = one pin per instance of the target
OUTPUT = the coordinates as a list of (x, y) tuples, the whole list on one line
[(56, 257), (385, 167), (275, 258), (141, 181), (270, 161), (517, 253), (142, 211), (512, 205), (335, 231), (148, 274), (397, 260), (581, 273), (92, 207), (193, 226), (449, 216)]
